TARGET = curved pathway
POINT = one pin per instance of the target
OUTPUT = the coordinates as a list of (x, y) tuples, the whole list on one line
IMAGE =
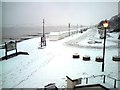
[(86, 35)]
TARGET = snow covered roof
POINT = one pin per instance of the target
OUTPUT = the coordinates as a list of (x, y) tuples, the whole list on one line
[(54, 33)]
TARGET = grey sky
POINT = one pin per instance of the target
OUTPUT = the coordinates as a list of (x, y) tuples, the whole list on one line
[(59, 13)]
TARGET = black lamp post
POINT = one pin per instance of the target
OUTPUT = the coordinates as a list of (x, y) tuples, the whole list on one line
[(69, 28), (43, 38), (105, 25), (77, 28), (43, 29)]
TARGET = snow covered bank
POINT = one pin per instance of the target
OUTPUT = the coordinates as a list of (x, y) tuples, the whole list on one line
[(92, 36)]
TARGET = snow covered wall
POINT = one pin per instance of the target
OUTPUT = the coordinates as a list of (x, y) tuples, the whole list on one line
[(54, 36)]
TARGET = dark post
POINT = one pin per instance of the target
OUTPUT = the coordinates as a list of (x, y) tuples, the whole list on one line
[(115, 83), (103, 64), (105, 25), (6, 50), (104, 79), (69, 28), (77, 28), (16, 47), (41, 42), (86, 80), (44, 38), (43, 29)]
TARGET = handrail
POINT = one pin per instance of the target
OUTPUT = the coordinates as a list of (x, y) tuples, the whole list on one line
[(104, 79), (101, 76), (112, 78), (92, 76)]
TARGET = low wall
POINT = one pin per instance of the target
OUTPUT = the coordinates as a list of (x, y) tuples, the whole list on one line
[(54, 36)]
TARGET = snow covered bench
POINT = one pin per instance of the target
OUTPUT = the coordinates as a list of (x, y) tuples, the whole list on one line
[(76, 55), (99, 59), (86, 58), (116, 58)]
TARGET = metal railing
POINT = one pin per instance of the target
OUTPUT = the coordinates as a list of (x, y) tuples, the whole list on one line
[(104, 79), (94, 76)]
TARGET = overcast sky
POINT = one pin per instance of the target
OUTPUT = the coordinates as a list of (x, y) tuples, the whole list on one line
[(56, 13)]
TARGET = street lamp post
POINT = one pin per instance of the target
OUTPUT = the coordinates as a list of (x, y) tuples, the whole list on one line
[(105, 25), (77, 28), (43, 29), (43, 38), (69, 28)]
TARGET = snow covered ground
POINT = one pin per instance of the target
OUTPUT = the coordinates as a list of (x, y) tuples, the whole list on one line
[(53, 63)]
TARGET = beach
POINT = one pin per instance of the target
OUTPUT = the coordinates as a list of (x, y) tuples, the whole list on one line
[(25, 32)]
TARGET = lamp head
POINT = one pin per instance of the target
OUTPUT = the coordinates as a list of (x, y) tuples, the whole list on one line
[(105, 24)]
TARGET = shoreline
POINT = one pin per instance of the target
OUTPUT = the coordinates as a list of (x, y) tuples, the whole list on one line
[(22, 38), (27, 37)]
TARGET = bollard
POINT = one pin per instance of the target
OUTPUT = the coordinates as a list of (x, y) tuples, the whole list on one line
[(115, 83), (86, 80), (104, 79), (6, 50)]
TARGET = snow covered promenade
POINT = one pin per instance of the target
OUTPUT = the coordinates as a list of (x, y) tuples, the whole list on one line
[(53, 63), (92, 35)]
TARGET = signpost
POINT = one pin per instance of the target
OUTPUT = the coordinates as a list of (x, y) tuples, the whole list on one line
[(12, 45), (43, 41)]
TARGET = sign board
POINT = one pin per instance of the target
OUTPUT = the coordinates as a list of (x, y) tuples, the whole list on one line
[(43, 39), (11, 46)]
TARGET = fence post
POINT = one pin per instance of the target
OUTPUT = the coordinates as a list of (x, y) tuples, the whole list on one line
[(104, 79), (6, 50), (41, 42), (86, 80), (115, 83), (16, 47)]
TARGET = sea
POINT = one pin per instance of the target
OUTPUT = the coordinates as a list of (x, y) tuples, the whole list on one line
[(20, 33)]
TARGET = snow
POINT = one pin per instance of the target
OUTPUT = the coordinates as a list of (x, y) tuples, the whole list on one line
[(53, 63), (82, 41), (54, 33)]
